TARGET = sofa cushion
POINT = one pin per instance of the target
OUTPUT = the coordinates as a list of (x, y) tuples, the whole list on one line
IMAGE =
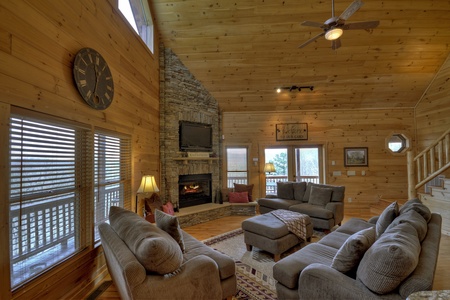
[(320, 196), (245, 188), (415, 219), (285, 190), (349, 255), (387, 216), (276, 203), (299, 190), (238, 197), (314, 211), (170, 224), (390, 260), (155, 249)]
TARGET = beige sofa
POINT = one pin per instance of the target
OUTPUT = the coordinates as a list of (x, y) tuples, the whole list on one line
[(323, 203), (147, 262), (387, 257)]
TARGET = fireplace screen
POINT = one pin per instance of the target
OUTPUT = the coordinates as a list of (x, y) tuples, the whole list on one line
[(194, 189)]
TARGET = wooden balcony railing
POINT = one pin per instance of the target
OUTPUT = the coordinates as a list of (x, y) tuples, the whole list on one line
[(429, 163)]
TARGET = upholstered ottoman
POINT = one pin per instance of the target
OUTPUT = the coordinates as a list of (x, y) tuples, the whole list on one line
[(269, 233)]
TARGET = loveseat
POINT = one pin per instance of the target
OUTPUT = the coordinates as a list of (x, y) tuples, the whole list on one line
[(323, 203), (162, 261), (387, 257)]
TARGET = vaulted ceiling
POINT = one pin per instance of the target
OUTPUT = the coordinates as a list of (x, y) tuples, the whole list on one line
[(242, 50)]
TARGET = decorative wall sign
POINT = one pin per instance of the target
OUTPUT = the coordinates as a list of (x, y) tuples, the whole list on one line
[(292, 131), (356, 157)]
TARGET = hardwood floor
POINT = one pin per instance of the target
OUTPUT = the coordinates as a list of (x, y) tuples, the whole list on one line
[(210, 229)]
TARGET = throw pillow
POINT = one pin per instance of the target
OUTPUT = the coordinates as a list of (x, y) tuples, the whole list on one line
[(351, 252), (391, 259), (387, 216), (408, 204), (155, 249), (415, 219), (170, 225), (244, 188), (168, 208), (285, 190), (238, 197), (299, 190), (320, 196), (421, 209)]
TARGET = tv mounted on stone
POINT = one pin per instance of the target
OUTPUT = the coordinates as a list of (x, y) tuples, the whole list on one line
[(195, 137)]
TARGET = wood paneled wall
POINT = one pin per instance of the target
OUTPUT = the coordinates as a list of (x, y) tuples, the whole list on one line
[(385, 177), (433, 111), (38, 41)]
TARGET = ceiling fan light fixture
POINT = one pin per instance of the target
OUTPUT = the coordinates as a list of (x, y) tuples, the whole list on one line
[(333, 34)]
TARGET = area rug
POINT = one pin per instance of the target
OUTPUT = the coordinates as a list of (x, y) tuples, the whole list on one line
[(253, 268)]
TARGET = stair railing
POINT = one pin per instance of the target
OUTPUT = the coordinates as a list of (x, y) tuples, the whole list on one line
[(429, 163)]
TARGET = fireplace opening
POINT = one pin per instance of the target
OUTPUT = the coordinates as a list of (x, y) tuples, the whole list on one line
[(194, 189)]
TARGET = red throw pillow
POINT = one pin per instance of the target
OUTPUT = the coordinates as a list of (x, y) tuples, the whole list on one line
[(238, 197), (244, 188), (168, 208)]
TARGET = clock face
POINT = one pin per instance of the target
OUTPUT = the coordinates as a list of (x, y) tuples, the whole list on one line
[(93, 78)]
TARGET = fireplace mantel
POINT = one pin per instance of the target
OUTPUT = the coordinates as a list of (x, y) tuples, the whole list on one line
[(186, 160)]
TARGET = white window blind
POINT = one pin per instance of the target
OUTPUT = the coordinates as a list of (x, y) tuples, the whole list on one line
[(237, 166), (112, 174), (45, 191)]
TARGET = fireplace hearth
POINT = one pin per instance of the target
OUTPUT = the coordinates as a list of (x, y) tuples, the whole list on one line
[(194, 189)]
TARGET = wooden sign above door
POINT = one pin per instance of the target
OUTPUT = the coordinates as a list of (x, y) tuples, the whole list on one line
[(292, 131)]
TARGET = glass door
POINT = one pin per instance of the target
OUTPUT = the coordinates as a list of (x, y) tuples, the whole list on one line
[(293, 163)]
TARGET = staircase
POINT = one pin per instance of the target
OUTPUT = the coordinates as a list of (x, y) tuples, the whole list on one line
[(427, 166)]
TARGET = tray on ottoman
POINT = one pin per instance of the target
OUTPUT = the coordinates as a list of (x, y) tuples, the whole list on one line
[(269, 233)]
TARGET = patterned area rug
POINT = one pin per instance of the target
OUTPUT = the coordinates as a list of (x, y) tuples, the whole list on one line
[(253, 268)]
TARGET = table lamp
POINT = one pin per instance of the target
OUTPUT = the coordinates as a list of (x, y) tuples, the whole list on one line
[(148, 186)]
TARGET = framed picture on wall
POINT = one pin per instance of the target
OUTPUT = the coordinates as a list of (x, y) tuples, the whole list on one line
[(356, 157)]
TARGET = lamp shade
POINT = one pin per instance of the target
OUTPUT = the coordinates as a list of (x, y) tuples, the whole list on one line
[(333, 34), (269, 168), (148, 185)]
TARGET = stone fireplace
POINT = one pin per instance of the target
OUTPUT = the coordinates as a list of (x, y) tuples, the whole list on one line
[(183, 98), (194, 190)]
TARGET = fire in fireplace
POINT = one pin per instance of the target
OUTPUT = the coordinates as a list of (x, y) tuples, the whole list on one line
[(194, 189)]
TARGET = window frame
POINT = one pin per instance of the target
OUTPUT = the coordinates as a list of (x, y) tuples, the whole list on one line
[(83, 161)]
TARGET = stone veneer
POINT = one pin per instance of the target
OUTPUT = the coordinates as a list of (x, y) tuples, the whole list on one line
[(182, 97)]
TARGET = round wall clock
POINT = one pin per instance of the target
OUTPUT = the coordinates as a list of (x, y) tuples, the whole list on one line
[(93, 78)]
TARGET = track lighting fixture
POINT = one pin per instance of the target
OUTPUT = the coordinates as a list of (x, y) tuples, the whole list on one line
[(294, 87)]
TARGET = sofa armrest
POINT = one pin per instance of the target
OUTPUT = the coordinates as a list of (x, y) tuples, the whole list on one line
[(338, 211), (197, 278), (271, 196), (318, 281)]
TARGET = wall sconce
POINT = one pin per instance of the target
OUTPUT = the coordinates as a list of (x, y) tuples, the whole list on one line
[(148, 186), (294, 87), (269, 168)]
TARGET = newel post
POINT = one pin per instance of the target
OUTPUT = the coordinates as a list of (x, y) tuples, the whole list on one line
[(411, 182)]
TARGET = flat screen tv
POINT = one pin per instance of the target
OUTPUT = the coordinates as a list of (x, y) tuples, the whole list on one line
[(195, 137)]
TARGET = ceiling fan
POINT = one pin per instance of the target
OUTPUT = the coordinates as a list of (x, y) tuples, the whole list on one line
[(335, 26)]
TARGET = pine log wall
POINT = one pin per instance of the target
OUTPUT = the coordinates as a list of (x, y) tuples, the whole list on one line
[(385, 177), (38, 42)]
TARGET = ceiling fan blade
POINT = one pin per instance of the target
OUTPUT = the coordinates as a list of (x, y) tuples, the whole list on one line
[(335, 44), (351, 9), (361, 25), (311, 40), (312, 24)]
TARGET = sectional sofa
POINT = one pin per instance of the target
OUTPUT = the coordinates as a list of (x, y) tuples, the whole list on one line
[(323, 203), (387, 257)]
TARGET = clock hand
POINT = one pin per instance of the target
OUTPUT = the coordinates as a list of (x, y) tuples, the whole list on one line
[(97, 78)]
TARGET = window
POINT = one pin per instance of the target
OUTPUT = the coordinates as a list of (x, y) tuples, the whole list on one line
[(138, 14), (52, 187), (237, 167), (397, 143), (112, 175)]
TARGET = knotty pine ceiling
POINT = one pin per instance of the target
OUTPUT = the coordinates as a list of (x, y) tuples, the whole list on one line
[(242, 50)]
